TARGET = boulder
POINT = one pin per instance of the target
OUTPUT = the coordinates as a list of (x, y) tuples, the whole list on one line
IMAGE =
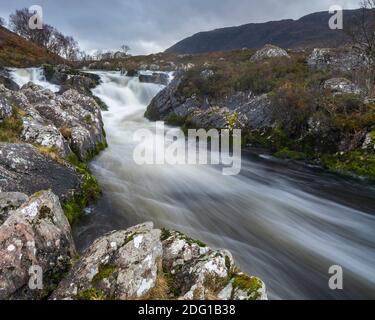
[(6, 80), (24, 169), (369, 142), (10, 201), (35, 238), (143, 262), (197, 272), (342, 59), (156, 78), (269, 51), (68, 122), (121, 265), (6, 109), (338, 86)]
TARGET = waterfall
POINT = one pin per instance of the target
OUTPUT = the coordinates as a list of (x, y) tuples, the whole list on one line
[(35, 75), (284, 222)]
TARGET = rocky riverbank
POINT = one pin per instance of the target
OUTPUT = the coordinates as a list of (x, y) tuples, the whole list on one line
[(304, 105), (47, 139)]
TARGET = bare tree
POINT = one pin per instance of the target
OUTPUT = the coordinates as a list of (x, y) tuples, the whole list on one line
[(125, 49), (362, 32)]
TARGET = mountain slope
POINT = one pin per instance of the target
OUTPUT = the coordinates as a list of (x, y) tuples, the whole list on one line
[(16, 51), (309, 31)]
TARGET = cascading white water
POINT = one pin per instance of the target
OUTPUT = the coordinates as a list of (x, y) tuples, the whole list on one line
[(286, 224), (35, 75)]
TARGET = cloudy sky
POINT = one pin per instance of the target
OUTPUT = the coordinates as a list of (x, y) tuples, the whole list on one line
[(149, 26)]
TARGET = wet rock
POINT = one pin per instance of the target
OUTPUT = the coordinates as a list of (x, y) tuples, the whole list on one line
[(269, 51), (156, 78), (337, 86), (6, 80), (121, 265), (24, 169), (36, 235), (10, 201)]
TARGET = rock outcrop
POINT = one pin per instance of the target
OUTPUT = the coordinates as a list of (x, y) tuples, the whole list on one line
[(35, 238), (342, 59), (70, 122), (156, 78), (24, 169), (338, 86), (143, 262), (238, 110), (269, 51)]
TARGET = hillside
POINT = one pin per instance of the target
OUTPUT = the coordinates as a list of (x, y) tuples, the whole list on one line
[(15, 51), (309, 31)]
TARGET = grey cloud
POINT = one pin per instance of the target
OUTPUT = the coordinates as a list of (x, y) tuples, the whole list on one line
[(153, 25)]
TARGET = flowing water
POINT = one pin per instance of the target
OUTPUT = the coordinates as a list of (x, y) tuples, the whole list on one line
[(283, 221), (35, 75)]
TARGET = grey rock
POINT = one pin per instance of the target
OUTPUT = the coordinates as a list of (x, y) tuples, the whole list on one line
[(369, 143), (269, 51), (6, 109), (122, 265), (35, 235), (156, 78), (24, 169), (338, 86), (46, 114), (10, 201), (342, 59)]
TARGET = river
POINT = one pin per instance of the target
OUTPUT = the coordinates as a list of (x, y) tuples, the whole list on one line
[(283, 221)]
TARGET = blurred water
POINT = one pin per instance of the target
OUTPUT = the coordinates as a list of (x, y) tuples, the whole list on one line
[(35, 75), (283, 221)]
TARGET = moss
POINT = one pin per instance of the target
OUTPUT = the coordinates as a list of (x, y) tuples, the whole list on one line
[(99, 147), (285, 153), (372, 135), (228, 264), (88, 119), (11, 128), (105, 272), (174, 119), (165, 234), (92, 294), (90, 191), (355, 162), (250, 285), (103, 106), (45, 213)]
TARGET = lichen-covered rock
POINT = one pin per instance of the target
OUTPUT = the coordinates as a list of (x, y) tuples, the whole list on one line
[(5, 108), (338, 86), (269, 51), (35, 235), (342, 59), (24, 169), (243, 287), (143, 262), (67, 122), (199, 272), (44, 134), (10, 201), (369, 143), (121, 265)]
